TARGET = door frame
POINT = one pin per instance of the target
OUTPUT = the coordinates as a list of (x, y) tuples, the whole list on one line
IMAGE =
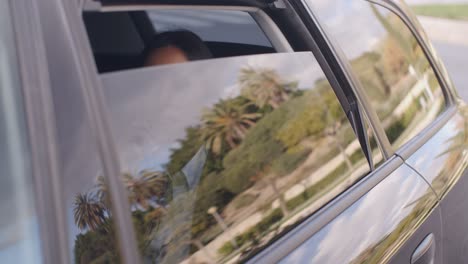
[(40, 119)]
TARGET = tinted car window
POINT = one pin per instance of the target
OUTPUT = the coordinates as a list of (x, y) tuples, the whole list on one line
[(19, 230), (221, 162), (211, 25), (389, 62), (121, 40)]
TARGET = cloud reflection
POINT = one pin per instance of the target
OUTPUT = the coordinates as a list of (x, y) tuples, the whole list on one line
[(363, 225)]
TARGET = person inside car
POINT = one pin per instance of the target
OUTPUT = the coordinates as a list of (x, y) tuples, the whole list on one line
[(175, 47)]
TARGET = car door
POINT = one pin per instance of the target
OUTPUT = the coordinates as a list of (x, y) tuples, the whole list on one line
[(441, 160)]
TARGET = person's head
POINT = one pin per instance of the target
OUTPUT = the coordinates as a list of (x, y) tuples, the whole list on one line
[(175, 47)]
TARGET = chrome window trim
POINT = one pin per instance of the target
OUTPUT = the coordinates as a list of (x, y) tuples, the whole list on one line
[(39, 111), (70, 14), (304, 231)]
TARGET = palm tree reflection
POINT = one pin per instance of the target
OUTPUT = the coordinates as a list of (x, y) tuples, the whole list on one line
[(262, 136)]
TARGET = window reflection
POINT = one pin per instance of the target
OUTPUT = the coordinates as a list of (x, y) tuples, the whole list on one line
[(220, 162), (389, 63), (381, 234)]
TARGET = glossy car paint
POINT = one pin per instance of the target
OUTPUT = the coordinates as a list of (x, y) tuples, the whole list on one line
[(442, 162), (368, 233)]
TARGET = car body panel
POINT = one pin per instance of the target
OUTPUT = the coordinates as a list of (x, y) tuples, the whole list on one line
[(368, 233), (442, 158), (442, 162)]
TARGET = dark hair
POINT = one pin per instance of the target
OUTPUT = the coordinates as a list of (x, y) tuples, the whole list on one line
[(192, 45)]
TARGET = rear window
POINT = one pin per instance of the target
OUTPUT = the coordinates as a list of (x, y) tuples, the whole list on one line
[(121, 40), (212, 25)]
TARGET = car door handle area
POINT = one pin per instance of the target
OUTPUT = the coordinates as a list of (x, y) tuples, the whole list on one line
[(425, 252)]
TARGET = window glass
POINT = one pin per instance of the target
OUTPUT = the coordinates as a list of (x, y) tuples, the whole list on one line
[(222, 156), (19, 230), (124, 40), (389, 62), (211, 25)]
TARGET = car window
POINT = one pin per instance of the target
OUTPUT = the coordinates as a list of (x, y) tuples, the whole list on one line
[(222, 161), (389, 63), (222, 155), (19, 229), (122, 40), (212, 25)]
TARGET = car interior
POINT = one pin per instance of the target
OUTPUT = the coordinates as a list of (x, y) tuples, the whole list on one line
[(119, 39)]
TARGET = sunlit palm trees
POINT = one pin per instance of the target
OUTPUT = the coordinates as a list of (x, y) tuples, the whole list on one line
[(264, 86), (227, 122), (89, 212)]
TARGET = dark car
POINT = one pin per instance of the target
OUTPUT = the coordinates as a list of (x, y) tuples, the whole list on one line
[(202, 131)]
